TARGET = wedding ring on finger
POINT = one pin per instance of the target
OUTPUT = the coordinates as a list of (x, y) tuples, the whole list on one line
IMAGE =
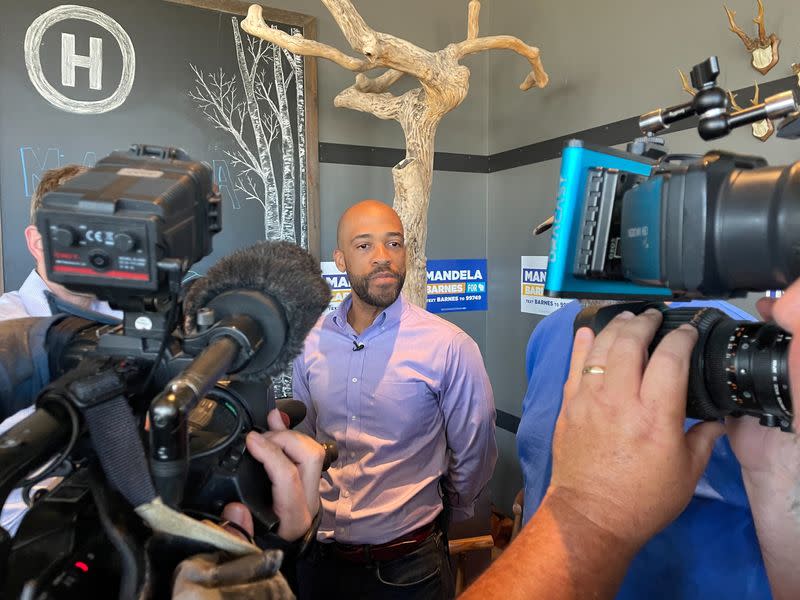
[(594, 370)]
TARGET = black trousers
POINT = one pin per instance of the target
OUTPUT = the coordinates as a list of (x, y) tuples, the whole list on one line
[(423, 574)]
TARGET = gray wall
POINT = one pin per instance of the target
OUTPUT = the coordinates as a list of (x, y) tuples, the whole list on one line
[(607, 61), (615, 59)]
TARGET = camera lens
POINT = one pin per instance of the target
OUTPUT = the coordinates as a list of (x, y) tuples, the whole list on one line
[(754, 231), (747, 368), (737, 367)]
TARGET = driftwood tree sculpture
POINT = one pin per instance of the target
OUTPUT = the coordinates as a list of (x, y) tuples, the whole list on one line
[(443, 86)]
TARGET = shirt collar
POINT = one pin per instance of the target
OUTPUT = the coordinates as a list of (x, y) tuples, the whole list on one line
[(388, 317), (32, 294)]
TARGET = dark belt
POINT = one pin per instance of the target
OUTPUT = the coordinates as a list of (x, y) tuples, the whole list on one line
[(396, 548)]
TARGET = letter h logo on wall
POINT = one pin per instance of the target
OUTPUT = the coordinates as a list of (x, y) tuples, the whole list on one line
[(71, 60)]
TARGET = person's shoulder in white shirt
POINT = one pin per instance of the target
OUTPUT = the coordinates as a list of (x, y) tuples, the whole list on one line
[(28, 301)]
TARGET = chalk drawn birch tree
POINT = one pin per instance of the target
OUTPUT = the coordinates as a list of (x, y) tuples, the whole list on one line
[(299, 86), (254, 108)]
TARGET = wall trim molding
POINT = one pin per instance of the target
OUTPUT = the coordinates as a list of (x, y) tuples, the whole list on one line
[(609, 134), (507, 421)]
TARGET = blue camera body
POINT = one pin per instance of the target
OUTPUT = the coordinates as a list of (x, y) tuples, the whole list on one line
[(576, 210)]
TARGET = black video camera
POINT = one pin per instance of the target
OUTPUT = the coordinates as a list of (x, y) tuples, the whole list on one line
[(148, 413), (118, 230), (646, 225)]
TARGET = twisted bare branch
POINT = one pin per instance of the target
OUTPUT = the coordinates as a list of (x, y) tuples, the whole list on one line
[(536, 78), (358, 34), (384, 106), (254, 25), (472, 19), (380, 49), (379, 84)]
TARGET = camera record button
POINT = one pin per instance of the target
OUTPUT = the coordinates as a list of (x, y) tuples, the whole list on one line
[(99, 260)]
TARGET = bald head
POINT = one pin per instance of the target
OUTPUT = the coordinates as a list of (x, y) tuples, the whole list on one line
[(371, 249), (360, 218)]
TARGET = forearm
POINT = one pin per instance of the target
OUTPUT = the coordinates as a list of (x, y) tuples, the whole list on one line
[(776, 512), (559, 555)]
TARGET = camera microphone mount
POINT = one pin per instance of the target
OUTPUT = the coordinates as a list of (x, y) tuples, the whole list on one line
[(710, 104)]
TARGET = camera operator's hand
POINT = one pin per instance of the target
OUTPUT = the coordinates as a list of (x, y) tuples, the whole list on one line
[(623, 467), (770, 461), (620, 454), (293, 462)]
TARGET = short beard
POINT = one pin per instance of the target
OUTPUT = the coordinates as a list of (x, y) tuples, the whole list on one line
[(360, 287)]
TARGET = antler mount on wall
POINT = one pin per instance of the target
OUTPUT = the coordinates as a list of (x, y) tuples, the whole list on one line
[(763, 49)]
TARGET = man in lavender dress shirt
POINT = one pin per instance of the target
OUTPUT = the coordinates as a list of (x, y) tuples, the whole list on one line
[(406, 396)]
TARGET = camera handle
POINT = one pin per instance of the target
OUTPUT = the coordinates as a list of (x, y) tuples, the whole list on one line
[(81, 396)]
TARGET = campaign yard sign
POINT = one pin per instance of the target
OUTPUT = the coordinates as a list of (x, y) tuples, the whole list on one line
[(454, 285), (457, 285), (533, 275)]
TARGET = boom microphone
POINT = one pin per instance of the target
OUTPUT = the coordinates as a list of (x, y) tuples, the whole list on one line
[(251, 313), (279, 285)]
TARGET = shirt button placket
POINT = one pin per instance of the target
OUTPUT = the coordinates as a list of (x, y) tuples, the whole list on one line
[(353, 429)]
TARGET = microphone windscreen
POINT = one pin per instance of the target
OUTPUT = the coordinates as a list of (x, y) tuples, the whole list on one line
[(284, 272)]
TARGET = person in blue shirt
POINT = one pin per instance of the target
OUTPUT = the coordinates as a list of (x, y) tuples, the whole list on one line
[(711, 550), (625, 468)]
